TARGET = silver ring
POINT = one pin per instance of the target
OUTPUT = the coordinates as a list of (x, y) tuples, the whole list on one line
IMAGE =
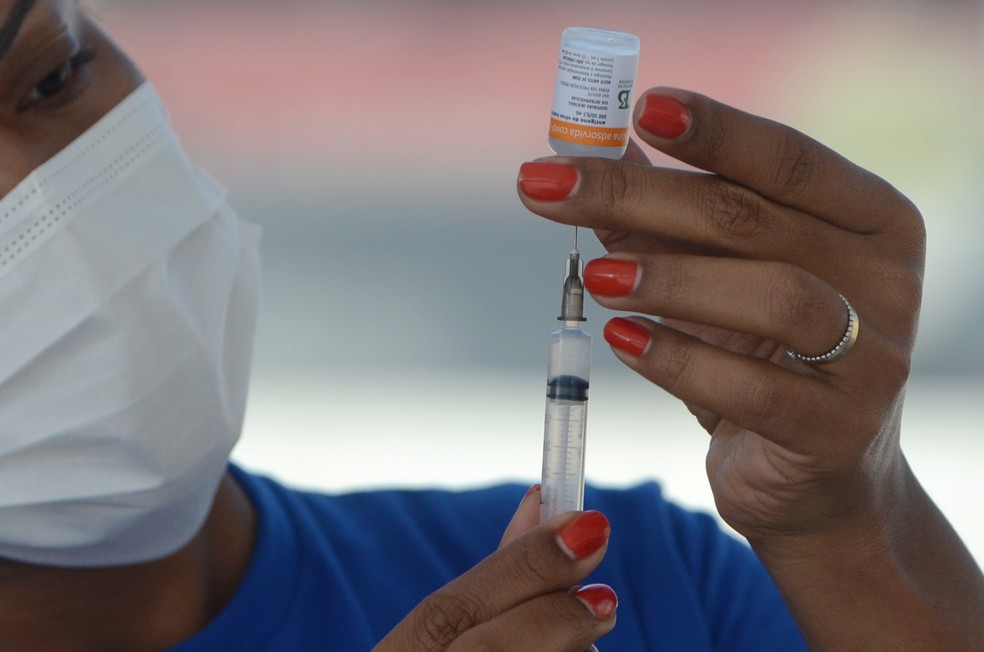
[(843, 346)]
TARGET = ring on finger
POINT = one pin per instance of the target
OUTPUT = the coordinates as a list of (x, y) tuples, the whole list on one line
[(845, 344)]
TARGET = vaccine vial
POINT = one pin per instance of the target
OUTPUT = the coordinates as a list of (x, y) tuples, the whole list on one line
[(592, 105)]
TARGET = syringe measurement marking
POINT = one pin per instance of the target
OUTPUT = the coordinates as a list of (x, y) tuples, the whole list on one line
[(563, 453), (568, 370)]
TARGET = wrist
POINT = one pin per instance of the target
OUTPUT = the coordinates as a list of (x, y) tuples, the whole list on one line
[(886, 573)]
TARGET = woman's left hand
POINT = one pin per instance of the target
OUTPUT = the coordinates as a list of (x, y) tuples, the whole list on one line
[(741, 264), (759, 254)]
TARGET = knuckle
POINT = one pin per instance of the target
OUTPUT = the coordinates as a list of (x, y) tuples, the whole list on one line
[(882, 389), (732, 211), (761, 399), (911, 215), (790, 303), (798, 162), (614, 188), (672, 367), (911, 289), (710, 134), (903, 222), (903, 296), (914, 230), (896, 367), (668, 280), (896, 308), (443, 617), (532, 562)]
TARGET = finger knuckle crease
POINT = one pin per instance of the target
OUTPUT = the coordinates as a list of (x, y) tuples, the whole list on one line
[(671, 279), (445, 617), (789, 304), (799, 162), (674, 365), (711, 133), (733, 212), (759, 399), (614, 188), (533, 563)]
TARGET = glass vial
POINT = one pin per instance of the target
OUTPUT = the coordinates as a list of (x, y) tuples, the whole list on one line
[(592, 106)]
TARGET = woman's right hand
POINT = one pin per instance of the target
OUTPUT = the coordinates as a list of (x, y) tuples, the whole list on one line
[(520, 597)]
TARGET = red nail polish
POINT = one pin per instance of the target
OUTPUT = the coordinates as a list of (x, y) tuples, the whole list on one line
[(627, 336), (585, 535), (547, 181), (611, 277), (599, 598), (664, 117)]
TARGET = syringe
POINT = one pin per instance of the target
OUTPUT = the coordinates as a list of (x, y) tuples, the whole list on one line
[(567, 401)]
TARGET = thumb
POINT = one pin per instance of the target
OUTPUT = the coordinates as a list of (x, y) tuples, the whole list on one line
[(527, 516)]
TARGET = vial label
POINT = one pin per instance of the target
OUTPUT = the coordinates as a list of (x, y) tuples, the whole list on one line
[(593, 98)]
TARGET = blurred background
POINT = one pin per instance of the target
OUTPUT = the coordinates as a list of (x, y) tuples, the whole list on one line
[(409, 296)]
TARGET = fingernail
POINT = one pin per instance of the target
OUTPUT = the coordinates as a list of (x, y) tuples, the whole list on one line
[(664, 117), (611, 277), (627, 336), (599, 598), (585, 535), (547, 181)]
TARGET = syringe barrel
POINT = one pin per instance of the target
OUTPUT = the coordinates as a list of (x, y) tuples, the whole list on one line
[(570, 354), (565, 421)]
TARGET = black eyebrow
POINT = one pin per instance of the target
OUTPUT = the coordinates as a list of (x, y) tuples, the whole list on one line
[(11, 26)]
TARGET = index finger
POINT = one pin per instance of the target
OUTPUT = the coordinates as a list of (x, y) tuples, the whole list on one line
[(546, 559), (776, 161)]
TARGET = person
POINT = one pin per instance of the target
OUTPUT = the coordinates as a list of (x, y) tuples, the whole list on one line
[(787, 283)]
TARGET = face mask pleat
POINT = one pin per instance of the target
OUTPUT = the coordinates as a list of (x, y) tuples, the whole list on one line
[(129, 291)]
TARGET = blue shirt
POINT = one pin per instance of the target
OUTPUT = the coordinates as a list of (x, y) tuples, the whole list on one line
[(338, 572)]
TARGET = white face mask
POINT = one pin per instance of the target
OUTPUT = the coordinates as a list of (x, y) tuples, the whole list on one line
[(128, 303)]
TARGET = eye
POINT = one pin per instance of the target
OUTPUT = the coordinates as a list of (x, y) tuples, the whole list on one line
[(54, 82), (59, 81)]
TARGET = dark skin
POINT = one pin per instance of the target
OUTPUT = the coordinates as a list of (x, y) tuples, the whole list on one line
[(740, 262), (36, 121), (58, 75), (47, 99), (148, 606)]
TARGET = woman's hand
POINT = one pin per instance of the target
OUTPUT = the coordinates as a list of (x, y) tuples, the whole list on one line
[(751, 257), (520, 597), (741, 264)]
